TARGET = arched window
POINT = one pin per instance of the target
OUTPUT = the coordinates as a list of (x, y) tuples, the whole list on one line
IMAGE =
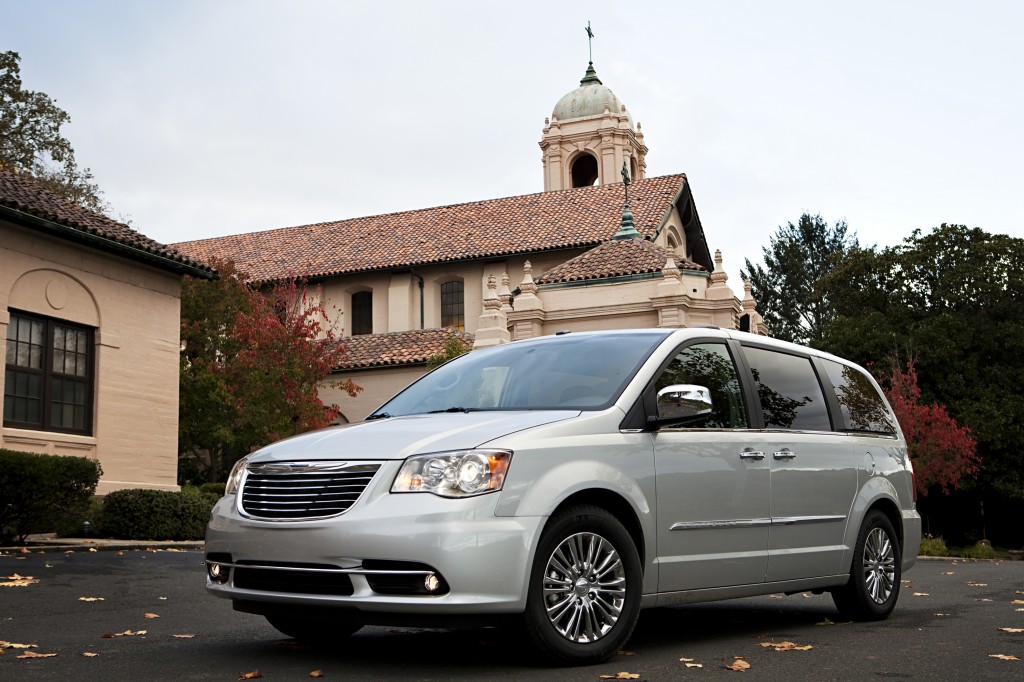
[(584, 171), (362, 313), (453, 309)]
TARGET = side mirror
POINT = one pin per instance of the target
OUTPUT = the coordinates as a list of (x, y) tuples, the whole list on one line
[(683, 402)]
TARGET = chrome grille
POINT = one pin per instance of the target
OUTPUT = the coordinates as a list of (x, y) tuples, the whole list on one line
[(303, 490)]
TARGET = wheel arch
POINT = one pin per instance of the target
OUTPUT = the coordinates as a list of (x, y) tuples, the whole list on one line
[(616, 505)]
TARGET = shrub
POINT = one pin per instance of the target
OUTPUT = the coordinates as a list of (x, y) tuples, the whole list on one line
[(933, 547), (39, 492), (980, 550), (213, 488), (139, 514)]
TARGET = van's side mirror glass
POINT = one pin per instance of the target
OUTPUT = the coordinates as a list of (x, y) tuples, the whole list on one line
[(682, 402)]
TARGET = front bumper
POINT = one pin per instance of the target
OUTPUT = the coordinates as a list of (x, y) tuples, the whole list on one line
[(482, 561)]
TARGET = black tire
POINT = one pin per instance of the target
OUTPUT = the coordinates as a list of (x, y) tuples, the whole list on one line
[(594, 612), (313, 631), (874, 584)]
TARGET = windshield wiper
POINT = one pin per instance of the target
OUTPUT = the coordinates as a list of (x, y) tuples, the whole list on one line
[(379, 415), (456, 409)]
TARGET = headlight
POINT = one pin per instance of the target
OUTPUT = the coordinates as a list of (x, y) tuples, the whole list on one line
[(453, 474), (235, 477)]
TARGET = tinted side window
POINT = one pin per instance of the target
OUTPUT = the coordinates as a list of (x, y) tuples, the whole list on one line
[(862, 406), (789, 391), (711, 366)]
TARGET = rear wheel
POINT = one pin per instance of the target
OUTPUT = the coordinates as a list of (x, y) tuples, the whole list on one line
[(583, 597), (874, 582), (313, 631)]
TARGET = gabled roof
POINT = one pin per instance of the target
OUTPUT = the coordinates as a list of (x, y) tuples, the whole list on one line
[(617, 258), (25, 202), (397, 348), (575, 218)]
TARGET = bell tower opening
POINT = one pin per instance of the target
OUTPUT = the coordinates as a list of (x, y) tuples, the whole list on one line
[(584, 171)]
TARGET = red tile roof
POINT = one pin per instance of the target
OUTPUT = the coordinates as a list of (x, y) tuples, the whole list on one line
[(616, 259), (530, 223), (398, 348), (20, 192)]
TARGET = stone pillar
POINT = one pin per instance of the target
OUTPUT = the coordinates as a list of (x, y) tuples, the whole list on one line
[(493, 327), (528, 316)]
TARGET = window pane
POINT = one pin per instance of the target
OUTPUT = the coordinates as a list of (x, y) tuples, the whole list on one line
[(452, 305), (709, 365), (362, 313), (58, 360), (791, 397), (862, 406)]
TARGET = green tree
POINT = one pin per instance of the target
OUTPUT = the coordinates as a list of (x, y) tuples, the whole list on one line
[(31, 141), (453, 348), (795, 259), (252, 363), (952, 300)]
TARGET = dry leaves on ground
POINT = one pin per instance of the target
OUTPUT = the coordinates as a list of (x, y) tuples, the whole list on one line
[(317, 673), (126, 633), (975, 583), (940, 614), (185, 636), (1001, 657), (1012, 629), (152, 615), (91, 599), (921, 594), (18, 581), (690, 663), (786, 646), (739, 665), (33, 654), (621, 676), (251, 675), (90, 654), (1017, 601), (14, 645)]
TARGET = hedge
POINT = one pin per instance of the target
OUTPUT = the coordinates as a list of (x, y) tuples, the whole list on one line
[(139, 514), (38, 492)]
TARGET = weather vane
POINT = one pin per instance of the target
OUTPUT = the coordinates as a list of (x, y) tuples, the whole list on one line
[(590, 38)]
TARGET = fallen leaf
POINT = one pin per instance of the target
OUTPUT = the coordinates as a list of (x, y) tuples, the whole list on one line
[(91, 599), (627, 653), (775, 596), (1018, 609), (1012, 629), (126, 633), (786, 646), (13, 645), (26, 580), (184, 636), (90, 654), (974, 583), (983, 599), (120, 553), (317, 673), (921, 594), (940, 614), (621, 676), (70, 551), (152, 615), (32, 654), (26, 550), (739, 665), (252, 675), (1001, 657), (1017, 601), (950, 573), (162, 598), (92, 549)]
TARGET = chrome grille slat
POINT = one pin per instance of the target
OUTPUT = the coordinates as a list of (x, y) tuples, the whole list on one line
[(283, 491)]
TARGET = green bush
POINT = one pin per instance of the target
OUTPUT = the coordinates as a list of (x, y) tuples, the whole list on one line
[(138, 514), (980, 550), (933, 547), (70, 526), (40, 492), (213, 488)]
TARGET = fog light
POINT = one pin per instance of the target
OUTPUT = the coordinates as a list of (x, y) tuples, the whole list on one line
[(431, 583), (218, 573)]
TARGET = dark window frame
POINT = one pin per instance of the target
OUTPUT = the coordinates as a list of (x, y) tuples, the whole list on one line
[(48, 375), (453, 304), (362, 313)]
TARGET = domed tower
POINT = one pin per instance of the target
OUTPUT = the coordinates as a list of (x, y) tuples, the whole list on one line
[(588, 137)]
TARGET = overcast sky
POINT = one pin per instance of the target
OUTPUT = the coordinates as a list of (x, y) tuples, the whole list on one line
[(208, 118)]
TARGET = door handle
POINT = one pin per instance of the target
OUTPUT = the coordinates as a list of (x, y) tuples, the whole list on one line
[(752, 454), (784, 454)]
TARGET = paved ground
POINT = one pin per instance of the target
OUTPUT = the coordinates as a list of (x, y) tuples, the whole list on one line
[(946, 626)]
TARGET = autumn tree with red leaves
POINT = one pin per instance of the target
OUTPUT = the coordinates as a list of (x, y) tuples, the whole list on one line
[(943, 452), (252, 363)]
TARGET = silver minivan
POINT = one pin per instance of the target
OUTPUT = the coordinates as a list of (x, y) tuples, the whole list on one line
[(567, 482)]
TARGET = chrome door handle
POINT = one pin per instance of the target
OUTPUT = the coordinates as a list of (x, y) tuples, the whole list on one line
[(785, 454), (752, 454)]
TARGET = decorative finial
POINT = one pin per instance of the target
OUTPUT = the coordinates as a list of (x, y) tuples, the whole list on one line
[(627, 230), (590, 76), (590, 38)]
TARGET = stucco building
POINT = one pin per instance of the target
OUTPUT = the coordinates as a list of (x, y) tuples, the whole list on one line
[(89, 309), (576, 256)]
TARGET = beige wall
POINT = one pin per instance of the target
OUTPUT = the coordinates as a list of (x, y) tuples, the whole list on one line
[(378, 385), (135, 311)]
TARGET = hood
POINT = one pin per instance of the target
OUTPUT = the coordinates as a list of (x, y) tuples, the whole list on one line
[(400, 437)]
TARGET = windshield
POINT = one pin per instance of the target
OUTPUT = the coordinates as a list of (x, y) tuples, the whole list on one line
[(584, 372)]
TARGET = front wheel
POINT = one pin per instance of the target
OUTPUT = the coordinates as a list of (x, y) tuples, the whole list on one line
[(874, 582), (583, 597)]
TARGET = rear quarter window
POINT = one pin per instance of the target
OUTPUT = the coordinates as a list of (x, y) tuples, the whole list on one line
[(862, 407)]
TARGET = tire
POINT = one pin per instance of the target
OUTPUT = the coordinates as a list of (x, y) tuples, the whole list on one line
[(583, 598), (313, 631), (874, 584)]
